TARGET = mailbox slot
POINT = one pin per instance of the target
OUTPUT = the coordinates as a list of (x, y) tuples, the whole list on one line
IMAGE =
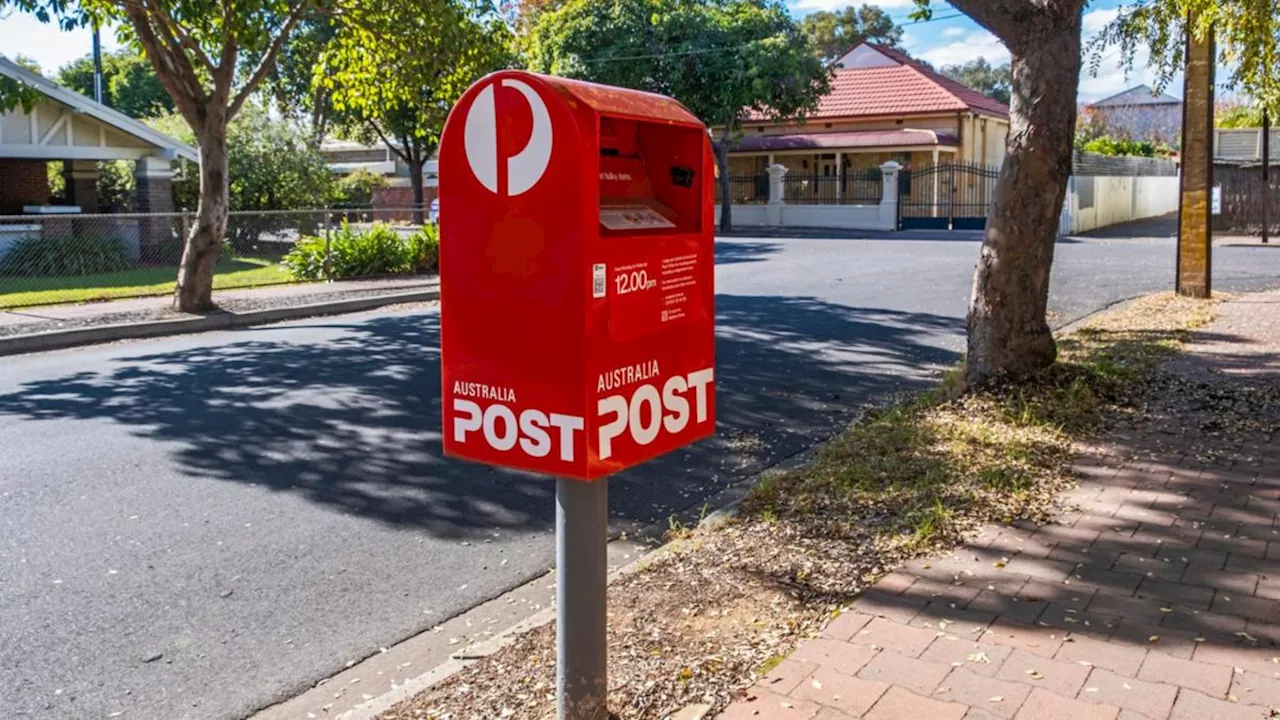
[(647, 184)]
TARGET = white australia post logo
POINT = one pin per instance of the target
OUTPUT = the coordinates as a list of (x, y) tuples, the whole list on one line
[(480, 137)]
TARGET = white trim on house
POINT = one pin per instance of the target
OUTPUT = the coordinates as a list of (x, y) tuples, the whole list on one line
[(76, 105)]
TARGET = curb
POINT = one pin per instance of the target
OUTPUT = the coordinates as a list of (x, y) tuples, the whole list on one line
[(63, 339)]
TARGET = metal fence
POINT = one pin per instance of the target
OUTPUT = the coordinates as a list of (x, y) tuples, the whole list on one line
[(60, 258), (746, 189), (858, 187)]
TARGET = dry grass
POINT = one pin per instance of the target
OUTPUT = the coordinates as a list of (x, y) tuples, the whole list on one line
[(727, 602)]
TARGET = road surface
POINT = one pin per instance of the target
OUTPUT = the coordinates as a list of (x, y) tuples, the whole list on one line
[(197, 527)]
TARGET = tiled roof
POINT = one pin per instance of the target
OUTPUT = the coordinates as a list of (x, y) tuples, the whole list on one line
[(907, 89), (858, 139), (1140, 95)]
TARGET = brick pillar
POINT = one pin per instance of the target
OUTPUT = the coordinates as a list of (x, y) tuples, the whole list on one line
[(81, 177), (153, 194), (23, 182)]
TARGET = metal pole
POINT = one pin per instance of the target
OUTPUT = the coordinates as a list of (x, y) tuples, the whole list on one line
[(1266, 175), (582, 513), (97, 63)]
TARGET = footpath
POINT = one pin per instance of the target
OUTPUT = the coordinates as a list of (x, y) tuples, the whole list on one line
[(1155, 595)]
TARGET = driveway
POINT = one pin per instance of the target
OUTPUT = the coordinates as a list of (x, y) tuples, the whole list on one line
[(199, 526)]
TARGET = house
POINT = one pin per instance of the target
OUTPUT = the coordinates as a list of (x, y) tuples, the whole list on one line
[(66, 126), (882, 106), (345, 157), (1139, 113)]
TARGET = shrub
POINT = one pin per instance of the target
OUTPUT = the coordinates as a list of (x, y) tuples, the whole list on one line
[(62, 255), (356, 189), (378, 251)]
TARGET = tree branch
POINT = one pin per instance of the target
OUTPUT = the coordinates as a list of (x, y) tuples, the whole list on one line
[(179, 37), (1006, 19), (268, 58), (390, 145), (173, 69)]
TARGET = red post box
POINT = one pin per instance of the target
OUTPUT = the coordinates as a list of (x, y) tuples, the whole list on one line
[(577, 271)]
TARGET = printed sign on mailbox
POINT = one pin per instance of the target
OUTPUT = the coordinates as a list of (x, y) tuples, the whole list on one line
[(577, 276)]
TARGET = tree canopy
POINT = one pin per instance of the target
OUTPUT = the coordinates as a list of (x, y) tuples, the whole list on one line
[(835, 32), (1247, 33), (993, 81), (128, 83)]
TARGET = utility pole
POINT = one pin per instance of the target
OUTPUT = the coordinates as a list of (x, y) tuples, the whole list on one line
[(1195, 219), (97, 63), (1266, 174)]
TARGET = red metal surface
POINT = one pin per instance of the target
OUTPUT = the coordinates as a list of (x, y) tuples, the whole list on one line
[(549, 365)]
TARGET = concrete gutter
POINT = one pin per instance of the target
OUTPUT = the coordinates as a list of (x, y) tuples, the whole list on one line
[(62, 339)]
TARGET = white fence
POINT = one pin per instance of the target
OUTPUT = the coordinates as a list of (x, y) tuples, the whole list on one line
[(778, 213), (1099, 201)]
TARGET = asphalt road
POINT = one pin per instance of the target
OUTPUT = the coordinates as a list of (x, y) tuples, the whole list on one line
[(199, 526)]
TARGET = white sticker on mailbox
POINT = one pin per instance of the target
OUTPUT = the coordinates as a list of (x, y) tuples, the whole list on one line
[(598, 280)]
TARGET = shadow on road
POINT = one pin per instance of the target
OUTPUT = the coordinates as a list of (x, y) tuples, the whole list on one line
[(353, 421)]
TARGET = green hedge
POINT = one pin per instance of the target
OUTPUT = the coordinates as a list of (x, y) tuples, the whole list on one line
[(380, 250), (61, 256)]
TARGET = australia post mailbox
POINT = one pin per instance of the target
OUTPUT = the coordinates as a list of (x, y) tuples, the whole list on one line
[(576, 266)]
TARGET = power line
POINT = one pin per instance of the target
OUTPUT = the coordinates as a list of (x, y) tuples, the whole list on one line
[(727, 48)]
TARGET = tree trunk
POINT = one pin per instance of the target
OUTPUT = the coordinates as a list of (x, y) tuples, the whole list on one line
[(721, 149), (1009, 337), (415, 181), (204, 243)]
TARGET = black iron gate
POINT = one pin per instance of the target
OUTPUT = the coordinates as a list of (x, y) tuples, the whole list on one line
[(945, 196)]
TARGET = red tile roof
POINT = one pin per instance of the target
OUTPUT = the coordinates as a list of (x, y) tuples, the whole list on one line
[(857, 139), (906, 89)]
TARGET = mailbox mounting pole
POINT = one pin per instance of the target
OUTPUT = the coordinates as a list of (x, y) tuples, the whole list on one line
[(582, 514)]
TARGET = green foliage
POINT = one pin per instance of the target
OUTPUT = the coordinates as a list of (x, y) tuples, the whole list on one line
[(15, 93), (116, 185), (49, 255), (380, 250), (995, 82), (128, 83), (356, 188), (1107, 145), (1246, 32), (834, 33), (721, 58), (395, 69), (1238, 115), (272, 164)]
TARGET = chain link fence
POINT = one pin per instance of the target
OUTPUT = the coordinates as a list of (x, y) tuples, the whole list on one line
[(61, 258)]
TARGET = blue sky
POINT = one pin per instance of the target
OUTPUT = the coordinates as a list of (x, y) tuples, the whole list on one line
[(951, 38)]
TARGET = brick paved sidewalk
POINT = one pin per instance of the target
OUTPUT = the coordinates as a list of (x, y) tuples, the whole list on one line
[(1156, 595)]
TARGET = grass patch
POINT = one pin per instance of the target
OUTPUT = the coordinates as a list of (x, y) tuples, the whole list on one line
[(138, 282)]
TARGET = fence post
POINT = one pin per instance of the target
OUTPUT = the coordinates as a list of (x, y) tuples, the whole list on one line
[(328, 255), (773, 211), (186, 227), (889, 195)]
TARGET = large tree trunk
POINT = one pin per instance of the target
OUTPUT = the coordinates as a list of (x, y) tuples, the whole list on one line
[(415, 181), (721, 149), (1009, 337), (204, 243)]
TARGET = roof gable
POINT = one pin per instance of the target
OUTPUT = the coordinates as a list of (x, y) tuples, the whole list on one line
[(1140, 95), (98, 111)]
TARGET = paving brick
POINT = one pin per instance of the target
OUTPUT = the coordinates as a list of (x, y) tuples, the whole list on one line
[(764, 705), (1041, 568), (1149, 567), (899, 704), (1072, 596), (827, 713), (1085, 555), (895, 582), (1239, 583), (1204, 623), (1021, 542), (1130, 608), (999, 698), (1254, 689), (1179, 643), (1108, 688), (895, 607), (980, 714), (1268, 586), (1043, 641), (789, 673), (845, 626), (1094, 652), (919, 676), (1245, 563), (885, 634), (1233, 544), (1110, 581), (1210, 679), (842, 692), (1266, 634), (1126, 714), (1258, 608), (957, 592), (1187, 595), (1063, 534), (1192, 705), (1248, 516), (1001, 604), (1072, 620), (836, 654), (1063, 678), (1256, 660), (1044, 705), (1174, 537), (953, 621), (981, 658)]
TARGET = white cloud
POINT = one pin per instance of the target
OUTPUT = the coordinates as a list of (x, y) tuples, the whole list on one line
[(1112, 78), (1095, 20), (953, 32), (980, 44)]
